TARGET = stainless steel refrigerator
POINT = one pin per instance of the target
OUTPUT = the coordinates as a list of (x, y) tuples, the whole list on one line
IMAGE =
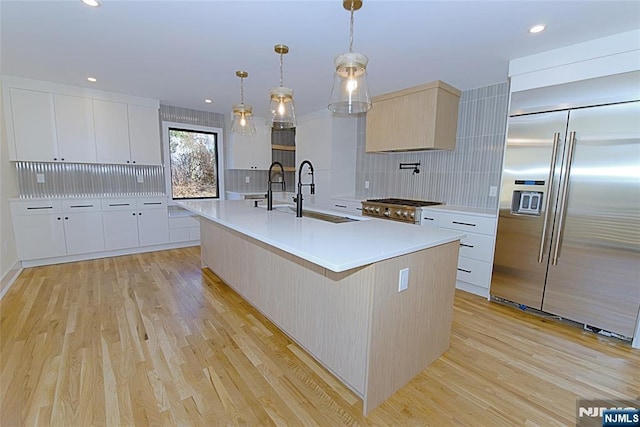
[(568, 239)]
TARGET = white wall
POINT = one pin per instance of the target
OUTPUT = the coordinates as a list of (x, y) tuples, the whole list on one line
[(8, 189)]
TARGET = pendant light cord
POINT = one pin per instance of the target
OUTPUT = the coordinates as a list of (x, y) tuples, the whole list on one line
[(281, 62), (241, 90), (351, 31)]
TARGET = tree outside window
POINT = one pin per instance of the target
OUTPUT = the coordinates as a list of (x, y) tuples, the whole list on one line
[(194, 164)]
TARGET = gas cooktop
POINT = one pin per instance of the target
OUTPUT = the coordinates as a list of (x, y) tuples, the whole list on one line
[(404, 202), (404, 210)]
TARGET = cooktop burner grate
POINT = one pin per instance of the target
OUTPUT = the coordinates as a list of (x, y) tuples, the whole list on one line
[(405, 202)]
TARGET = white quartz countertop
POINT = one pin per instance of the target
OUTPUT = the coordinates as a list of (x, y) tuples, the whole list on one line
[(338, 247)]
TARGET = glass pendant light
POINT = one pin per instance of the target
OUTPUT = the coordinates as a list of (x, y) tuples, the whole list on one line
[(283, 114), (242, 118), (350, 93)]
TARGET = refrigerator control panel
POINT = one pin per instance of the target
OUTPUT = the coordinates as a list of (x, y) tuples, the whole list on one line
[(526, 202)]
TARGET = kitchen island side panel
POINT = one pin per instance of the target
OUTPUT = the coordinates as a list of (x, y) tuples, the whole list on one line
[(328, 317), (355, 323), (409, 329)]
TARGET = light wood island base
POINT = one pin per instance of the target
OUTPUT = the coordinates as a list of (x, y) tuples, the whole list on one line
[(355, 323)]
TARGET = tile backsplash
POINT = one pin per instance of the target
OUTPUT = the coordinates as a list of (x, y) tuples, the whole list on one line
[(88, 180), (462, 177)]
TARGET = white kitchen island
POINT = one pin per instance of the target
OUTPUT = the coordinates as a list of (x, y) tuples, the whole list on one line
[(333, 288)]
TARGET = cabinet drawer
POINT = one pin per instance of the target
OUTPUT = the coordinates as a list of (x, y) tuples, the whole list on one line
[(152, 203), (194, 233), (469, 223), (37, 207), (184, 234), (352, 208), (82, 205), (430, 218), (183, 222), (118, 204), (477, 246), (179, 235), (474, 271)]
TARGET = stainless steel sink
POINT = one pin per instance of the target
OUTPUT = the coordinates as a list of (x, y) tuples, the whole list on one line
[(335, 219)]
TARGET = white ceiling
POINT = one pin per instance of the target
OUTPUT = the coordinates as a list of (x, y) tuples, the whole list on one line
[(181, 52)]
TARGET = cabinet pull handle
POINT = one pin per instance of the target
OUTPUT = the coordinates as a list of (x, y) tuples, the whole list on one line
[(66, 217), (39, 207), (466, 246), (468, 224), (152, 203), (134, 214), (464, 271), (59, 218), (340, 206), (119, 204), (139, 213), (429, 219), (81, 206)]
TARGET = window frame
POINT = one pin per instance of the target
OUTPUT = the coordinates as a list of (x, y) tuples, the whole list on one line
[(219, 132)]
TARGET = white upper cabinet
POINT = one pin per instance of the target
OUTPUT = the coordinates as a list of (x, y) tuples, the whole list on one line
[(112, 131), (250, 152), (144, 134), (127, 133), (34, 126), (50, 122), (74, 129)]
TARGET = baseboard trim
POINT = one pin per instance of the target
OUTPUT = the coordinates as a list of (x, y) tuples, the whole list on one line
[(473, 289), (10, 277), (107, 254)]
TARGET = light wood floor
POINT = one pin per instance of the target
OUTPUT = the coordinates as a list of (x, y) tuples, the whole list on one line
[(151, 339)]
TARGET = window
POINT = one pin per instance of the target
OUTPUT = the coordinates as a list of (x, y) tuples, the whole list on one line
[(194, 161)]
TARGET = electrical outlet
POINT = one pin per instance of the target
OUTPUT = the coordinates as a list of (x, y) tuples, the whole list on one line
[(493, 191), (40, 178), (366, 185), (247, 180), (403, 280), (140, 179)]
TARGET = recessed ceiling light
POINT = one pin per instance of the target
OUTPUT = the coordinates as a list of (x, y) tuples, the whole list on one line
[(92, 3), (92, 79), (537, 29), (208, 101)]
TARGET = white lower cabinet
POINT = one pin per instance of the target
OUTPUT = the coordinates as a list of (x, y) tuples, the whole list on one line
[(351, 207), (153, 227), (42, 236), (83, 232), (184, 228), (120, 230), (46, 229), (129, 223), (475, 260)]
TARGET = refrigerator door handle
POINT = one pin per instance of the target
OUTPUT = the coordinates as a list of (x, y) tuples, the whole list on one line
[(563, 203), (556, 141)]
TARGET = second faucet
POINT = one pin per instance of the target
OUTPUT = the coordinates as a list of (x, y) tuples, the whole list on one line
[(312, 185)]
